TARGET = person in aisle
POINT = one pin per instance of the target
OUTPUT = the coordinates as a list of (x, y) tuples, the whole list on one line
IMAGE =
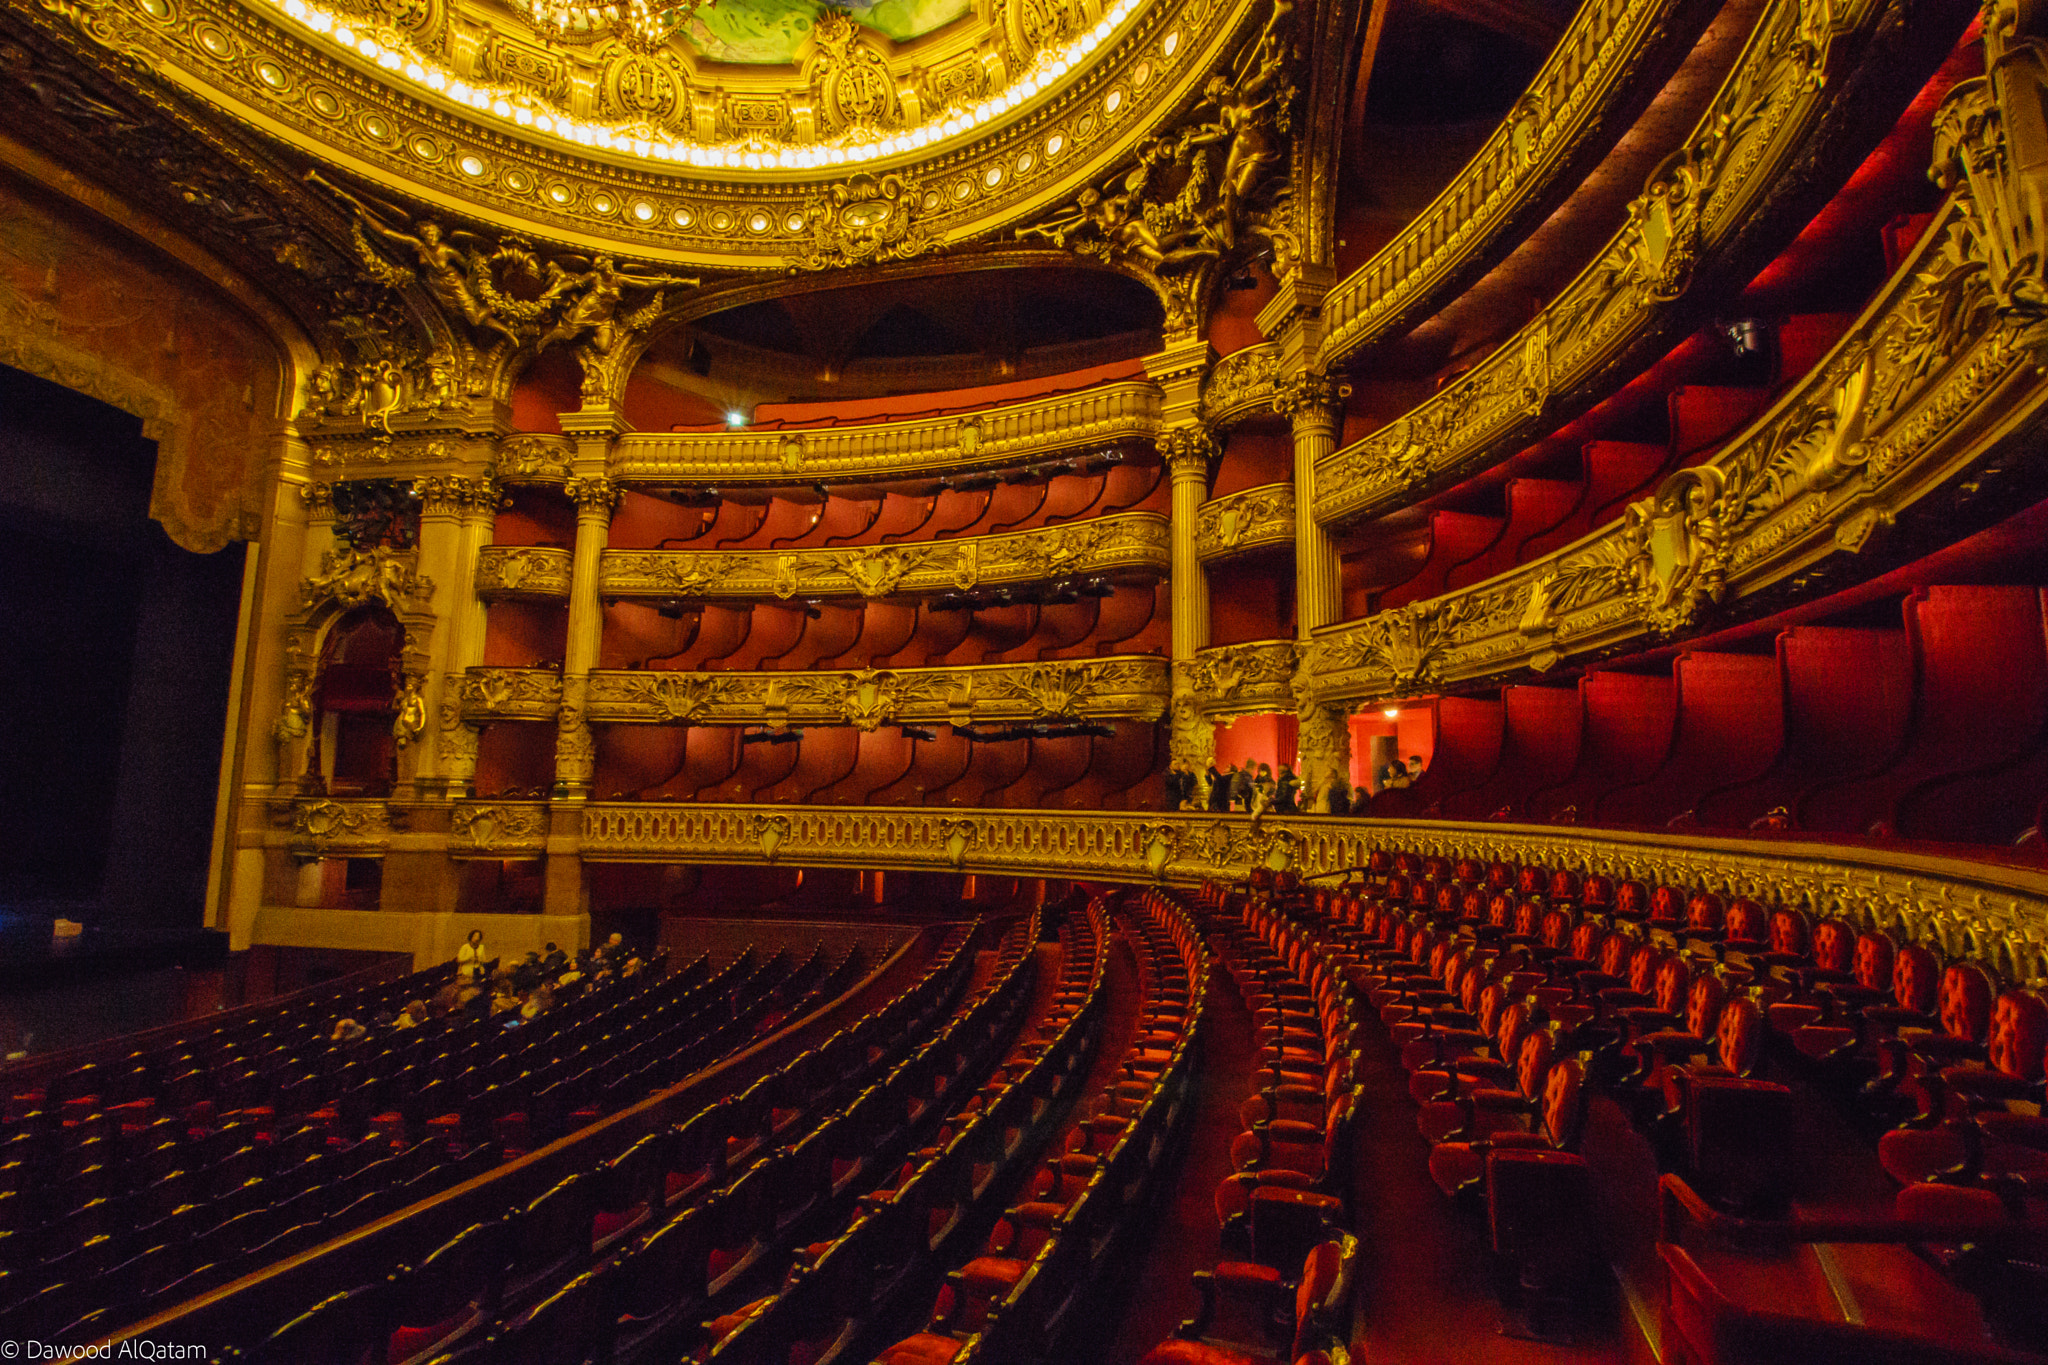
[(471, 956)]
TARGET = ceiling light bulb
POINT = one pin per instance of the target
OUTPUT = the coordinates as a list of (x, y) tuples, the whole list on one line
[(1392, 713), (735, 418)]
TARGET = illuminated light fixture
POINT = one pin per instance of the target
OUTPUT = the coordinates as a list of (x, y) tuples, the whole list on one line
[(647, 24), (735, 419), (1392, 713)]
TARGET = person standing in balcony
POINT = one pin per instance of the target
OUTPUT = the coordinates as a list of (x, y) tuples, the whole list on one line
[(470, 957)]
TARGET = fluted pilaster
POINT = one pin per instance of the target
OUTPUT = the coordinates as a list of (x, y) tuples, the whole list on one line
[(1313, 404)]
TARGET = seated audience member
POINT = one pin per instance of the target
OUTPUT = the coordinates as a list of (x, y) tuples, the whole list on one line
[(412, 1016), (527, 974), (347, 1031), (538, 1003), (553, 962)]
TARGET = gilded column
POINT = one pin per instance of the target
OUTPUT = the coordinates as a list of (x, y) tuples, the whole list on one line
[(575, 750), (1187, 451), (456, 516), (1313, 407)]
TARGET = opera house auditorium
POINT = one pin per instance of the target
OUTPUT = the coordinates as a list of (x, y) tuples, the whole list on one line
[(1024, 682)]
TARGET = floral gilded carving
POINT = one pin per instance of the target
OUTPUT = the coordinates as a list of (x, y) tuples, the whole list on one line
[(1256, 518), (531, 572)]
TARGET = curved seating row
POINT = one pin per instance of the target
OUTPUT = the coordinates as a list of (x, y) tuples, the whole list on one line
[(618, 1256)]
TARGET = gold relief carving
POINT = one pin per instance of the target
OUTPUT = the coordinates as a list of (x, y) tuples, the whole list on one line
[(575, 745), (350, 578), (1112, 688), (1405, 647), (1989, 134), (533, 459), (497, 829), (510, 694), (594, 495), (1252, 519), (410, 722), (1673, 555), (523, 571), (444, 493), (325, 826), (1192, 738), (1106, 417), (1310, 398), (1241, 384), (1238, 680), (295, 717), (376, 452), (772, 831), (458, 746), (318, 495), (1198, 195), (1124, 542), (1703, 196), (850, 79), (866, 220), (1980, 909), (1188, 449)]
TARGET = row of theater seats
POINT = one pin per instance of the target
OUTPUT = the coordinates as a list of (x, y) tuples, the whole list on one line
[(1935, 731), (1285, 1209), (1025, 1296), (1721, 1031), (622, 1257), (190, 1056), (132, 1217)]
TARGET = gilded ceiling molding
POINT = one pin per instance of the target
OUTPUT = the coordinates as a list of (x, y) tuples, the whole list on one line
[(531, 573), (1121, 545), (1119, 416), (1548, 134), (1252, 519), (483, 146), (1243, 680), (1116, 687), (1793, 95), (1931, 399)]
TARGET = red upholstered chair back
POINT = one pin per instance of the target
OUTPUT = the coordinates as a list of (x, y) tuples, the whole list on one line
[(1447, 898), (1673, 978), (1530, 880), (1466, 872), (1789, 933), (1564, 1103), (1564, 886), (1703, 1002), (1397, 890), (1557, 928), (1500, 876), (1493, 1000), (1526, 917), (1436, 868), (1322, 1295), (1667, 907), (1471, 982), (1597, 893), (1967, 992), (1501, 911), (1916, 978), (1514, 1026), (1740, 1035), (1834, 946), (1471, 905), (2019, 1034), (1875, 962), (1379, 862), (1642, 968), (1585, 940), (1747, 922), (1632, 900), (1703, 910), (1615, 951), (1532, 1063)]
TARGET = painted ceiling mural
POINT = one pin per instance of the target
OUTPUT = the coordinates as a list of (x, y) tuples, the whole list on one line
[(766, 32)]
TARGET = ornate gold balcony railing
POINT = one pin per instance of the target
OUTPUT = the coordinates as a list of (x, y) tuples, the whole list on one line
[(487, 694), (523, 573), (1252, 519), (1240, 385), (1932, 396), (1769, 129), (1243, 679), (1125, 544), (1119, 687), (1109, 417), (1593, 68), (1998, 912)]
